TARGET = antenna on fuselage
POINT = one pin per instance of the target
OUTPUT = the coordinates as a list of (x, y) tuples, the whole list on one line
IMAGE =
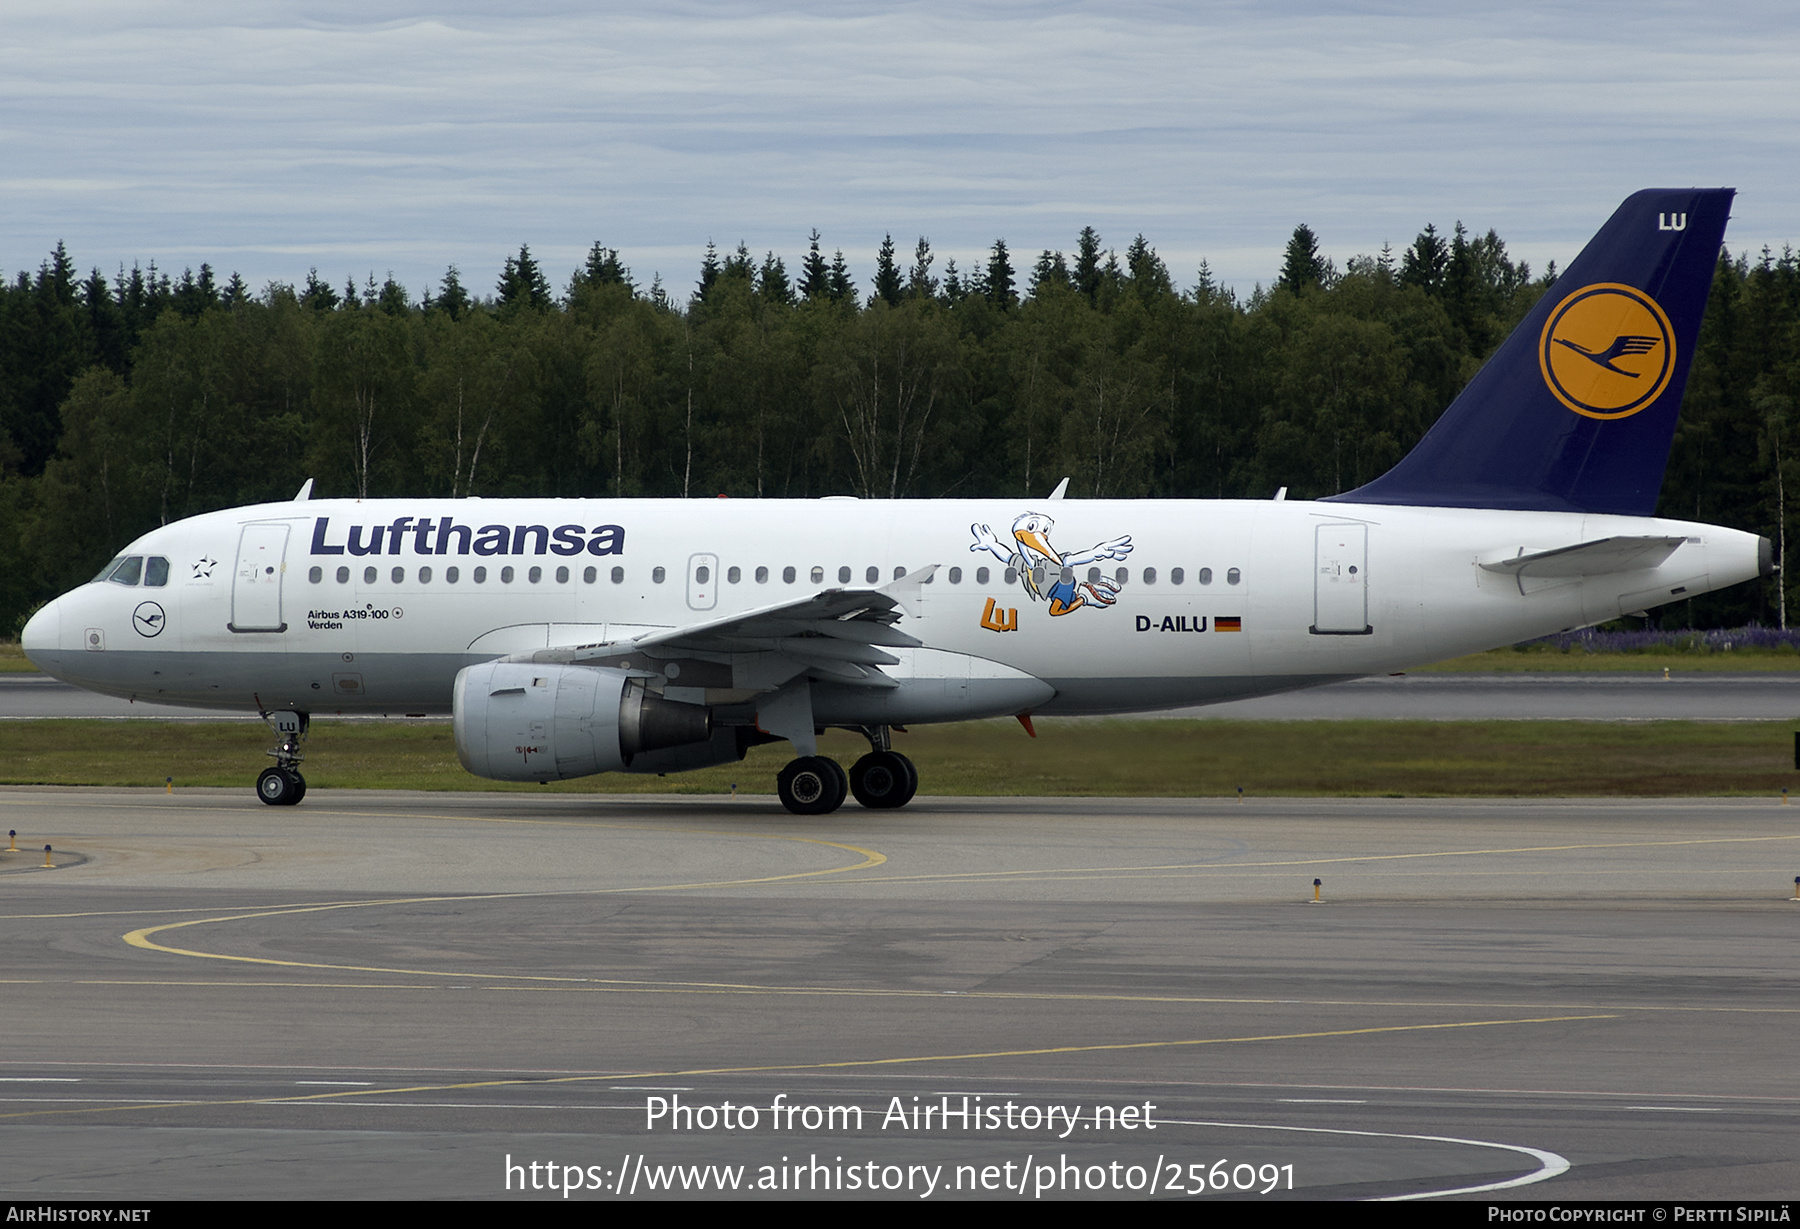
[(1060, 488), (305, 492)]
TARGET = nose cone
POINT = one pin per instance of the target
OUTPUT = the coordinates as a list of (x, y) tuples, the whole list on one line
[(43, 636)]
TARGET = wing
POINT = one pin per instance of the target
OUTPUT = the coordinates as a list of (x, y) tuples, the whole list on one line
[(834, 635)]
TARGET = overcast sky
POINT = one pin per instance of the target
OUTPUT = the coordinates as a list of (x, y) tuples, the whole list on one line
[(376, 137)]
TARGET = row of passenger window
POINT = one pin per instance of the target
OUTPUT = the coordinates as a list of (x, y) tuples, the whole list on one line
[(452, 575), (702, 575), (1040, 575)]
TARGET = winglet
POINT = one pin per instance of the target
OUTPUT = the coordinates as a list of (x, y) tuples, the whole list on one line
[(1061, 488), (305, 492), (906, 591)]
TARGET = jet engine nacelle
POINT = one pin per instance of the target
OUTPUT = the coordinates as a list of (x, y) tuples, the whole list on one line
[(528, 722)]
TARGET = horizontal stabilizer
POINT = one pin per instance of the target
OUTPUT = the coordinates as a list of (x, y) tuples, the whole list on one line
[(1598, 558)]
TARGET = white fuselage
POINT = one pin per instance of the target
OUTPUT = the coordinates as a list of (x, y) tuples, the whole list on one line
[(281, 606)]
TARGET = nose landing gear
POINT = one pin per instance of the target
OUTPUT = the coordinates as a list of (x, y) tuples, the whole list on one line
[(282, 785)]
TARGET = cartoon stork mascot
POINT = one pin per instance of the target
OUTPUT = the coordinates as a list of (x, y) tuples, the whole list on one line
[(1043, 572)]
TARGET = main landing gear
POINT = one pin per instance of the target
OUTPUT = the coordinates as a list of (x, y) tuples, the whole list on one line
[(812, 785), (880, 780), (884, 779), (282, 785)]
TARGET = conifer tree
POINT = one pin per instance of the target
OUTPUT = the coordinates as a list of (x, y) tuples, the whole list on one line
[(602, 268), (56, 278), (392, 297), (709, 270), (1424, 263), (1051, 270), (1302, 266), (1000, 286), (452, 298), (1087, 262), (194, 295), (919, 283), (317, 294), (105, 323), (772, 282), (887, 274), (838, 283), (522, 283), (132, 291), (1149, 276), (739, 264), (1204, 286), (815, 276), (953, 287)]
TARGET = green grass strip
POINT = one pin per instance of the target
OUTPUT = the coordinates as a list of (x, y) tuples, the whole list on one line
[(1547, 659), (1137, 758)]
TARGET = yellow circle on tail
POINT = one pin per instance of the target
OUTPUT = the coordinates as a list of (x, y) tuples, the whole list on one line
[(1607, 351)]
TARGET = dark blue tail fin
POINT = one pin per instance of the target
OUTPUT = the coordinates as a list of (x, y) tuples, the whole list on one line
[(1576, 410)]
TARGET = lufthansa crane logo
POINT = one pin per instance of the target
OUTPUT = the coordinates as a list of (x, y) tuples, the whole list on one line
[(1607, 351), (148, 619)]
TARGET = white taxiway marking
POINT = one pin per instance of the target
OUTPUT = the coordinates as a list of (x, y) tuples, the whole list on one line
[(1550, 1165)]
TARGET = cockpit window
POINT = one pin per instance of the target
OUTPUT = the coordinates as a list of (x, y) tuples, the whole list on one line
[(106, 571), (156, 571), (130, 569)]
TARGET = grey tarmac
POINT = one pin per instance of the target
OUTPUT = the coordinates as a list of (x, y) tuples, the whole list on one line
[(390, 994)]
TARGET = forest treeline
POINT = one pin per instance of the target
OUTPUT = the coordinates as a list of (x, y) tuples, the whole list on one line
[(131, 401)]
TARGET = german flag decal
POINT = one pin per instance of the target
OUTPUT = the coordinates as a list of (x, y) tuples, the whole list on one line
[(1227, 623)]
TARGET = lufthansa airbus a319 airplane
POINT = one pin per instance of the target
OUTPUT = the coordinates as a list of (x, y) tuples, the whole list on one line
[(570, 637)]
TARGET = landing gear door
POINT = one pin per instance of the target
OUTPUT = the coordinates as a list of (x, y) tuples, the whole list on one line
[(1341, 581), (256, 580)]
